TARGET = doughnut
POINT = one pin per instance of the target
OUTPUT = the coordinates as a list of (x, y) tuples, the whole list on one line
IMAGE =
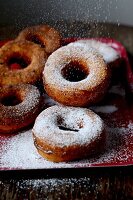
[(21, 62), (68, 133), (44, 35), (19, 106), (76, 76), (109, 53)]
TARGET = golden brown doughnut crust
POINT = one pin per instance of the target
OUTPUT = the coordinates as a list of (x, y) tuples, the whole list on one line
[(79, 93), (17, 116), (73, 153), (30, 52), (48, 37)]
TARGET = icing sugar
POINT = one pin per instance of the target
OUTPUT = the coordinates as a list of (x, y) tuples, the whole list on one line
[(98, 71), (49, 185), (18, 151), (109, 54), (30, 103), (88, 124)]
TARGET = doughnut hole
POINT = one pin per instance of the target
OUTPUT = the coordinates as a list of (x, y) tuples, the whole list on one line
[(12, 99), (75, 71), (35, 39), (17, 61), (62, 125)]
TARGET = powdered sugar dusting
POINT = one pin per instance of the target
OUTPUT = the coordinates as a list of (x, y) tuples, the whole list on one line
[(117, 137), (28, 105), (63, 56), (109, 54), (88, 124), (19, 151)]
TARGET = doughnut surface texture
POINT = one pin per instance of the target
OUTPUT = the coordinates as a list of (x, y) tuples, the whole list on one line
[(47, 37), (76, 76), (68, 133), (28, 56), (109, 53), (19, 106)]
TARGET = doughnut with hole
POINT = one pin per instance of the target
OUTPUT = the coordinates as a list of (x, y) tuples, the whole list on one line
[(68, 133), (47, 37), (21, 62), (19, 106), (76, 76)]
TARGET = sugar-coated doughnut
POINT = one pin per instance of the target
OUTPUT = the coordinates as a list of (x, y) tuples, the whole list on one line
[(109, 53), (68, 133), (19, 106), (47, 37), (76, 76), (29, 59)]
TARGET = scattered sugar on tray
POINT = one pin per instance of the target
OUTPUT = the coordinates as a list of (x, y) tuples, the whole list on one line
[(104, 109), (109, 53), (114, 151), (19, 152)]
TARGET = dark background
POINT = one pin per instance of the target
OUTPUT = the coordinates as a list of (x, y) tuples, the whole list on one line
[(13, 12)]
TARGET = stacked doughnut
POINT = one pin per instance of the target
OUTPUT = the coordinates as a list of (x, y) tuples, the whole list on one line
[(22, 60), (76, 76), (21, 64)]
